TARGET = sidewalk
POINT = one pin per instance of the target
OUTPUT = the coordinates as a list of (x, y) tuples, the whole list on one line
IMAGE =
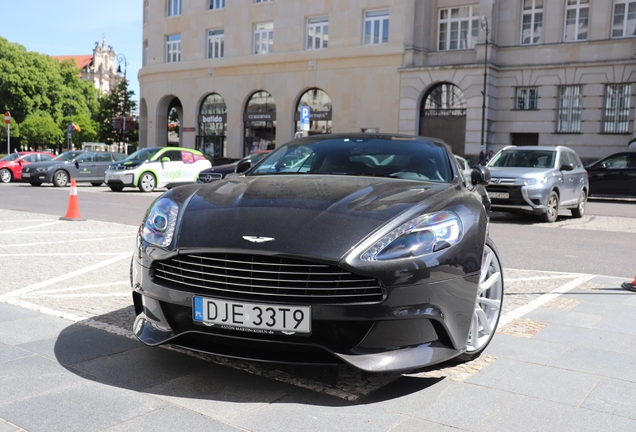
[(564, 357)]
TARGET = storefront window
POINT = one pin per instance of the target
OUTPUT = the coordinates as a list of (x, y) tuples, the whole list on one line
[(212, 140), (319, 104), (260, 123)]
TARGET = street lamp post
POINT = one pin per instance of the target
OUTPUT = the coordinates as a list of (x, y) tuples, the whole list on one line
[(482, 153), (69, 130), (121, 58)]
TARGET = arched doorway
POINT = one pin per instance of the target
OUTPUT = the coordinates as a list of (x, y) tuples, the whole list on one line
[(443, 115), (175, 112), (320, 107), (260, 123), (212, 138)]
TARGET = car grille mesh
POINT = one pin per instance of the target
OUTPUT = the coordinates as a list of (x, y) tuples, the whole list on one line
[(267, 278)]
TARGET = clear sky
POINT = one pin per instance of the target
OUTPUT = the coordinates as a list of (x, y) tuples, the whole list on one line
[(71, 27)]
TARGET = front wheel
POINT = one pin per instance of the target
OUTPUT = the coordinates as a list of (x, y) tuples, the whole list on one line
[(579, 210), (147, 182), (5, 175), (60, 178), (553, 208), (488, 304)]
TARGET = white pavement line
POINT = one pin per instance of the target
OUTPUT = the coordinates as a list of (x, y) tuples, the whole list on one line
[(83, 287), (87, 295), (522, 310), (565, 276), (61, 254), (67, 241), (71, 275), (73, 318), (30, 227), (134, 231)]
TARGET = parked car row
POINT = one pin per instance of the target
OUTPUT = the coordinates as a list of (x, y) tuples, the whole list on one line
[(145, 169), (541, 180)]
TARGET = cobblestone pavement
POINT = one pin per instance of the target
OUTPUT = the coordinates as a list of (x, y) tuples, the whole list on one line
[(80, 271)]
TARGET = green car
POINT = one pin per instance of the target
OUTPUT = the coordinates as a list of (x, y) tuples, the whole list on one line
[(156, 167)]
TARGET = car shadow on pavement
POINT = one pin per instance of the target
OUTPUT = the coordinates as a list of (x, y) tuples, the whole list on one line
[(117, 358)]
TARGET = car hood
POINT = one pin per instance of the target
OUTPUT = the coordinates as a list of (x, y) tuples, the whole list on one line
[(324, 215), (506, 172)]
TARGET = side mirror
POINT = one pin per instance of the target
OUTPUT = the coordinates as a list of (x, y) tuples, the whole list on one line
[(76, 163), (480, 175), (165, 159), (566, 167), (243, 166)]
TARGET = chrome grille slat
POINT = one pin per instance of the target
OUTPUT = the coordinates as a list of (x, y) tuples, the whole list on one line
[(254, 277)]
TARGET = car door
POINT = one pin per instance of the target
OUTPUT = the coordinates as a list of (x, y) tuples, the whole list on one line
[(102, 162), (171, 167), (610, 176), (569, 179), (630, 183), (578, 175), (84, 167)]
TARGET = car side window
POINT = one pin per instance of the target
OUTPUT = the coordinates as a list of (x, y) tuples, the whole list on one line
[(104, 157), (575, 160), (173, 155), (31, 158), (616, 162), (86, 157), (631, 161), (187, 157), (46, 157), (565, 159)]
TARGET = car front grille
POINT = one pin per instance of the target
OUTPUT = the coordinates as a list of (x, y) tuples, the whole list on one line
[(266, 278)]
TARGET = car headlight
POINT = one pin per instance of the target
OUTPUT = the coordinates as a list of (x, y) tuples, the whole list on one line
[(41, 169), (420, 236), (533, 180), (158, 228)]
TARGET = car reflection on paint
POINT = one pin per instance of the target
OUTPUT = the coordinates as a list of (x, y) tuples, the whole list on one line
[(367, 249), (219, 172)]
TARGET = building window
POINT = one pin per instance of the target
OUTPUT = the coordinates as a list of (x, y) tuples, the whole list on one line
[(576, 20), (216, 4), (173, 48), (174, 7), (617, 107), (624, 21), (376, 27), (317, 32), (144, 59), (569, 111), (215, 43), (146, 12), (263, 38), (262, 1), (531, 22), (527, 98), (458, 28)]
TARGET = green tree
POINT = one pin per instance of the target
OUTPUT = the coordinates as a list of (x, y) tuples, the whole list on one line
[(40, 130), (118, 103)]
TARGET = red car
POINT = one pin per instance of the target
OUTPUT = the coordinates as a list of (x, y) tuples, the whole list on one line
[(11, 166)]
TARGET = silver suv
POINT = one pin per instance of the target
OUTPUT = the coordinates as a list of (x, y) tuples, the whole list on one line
[(538, 180)]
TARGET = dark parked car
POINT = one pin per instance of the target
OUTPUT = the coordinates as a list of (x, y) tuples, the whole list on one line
[(613, 176), (83, 166), (538, 180), (369, 250), (218, 172)]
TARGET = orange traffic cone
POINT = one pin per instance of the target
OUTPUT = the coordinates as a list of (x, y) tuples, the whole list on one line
[(72, 213), (629, 286)]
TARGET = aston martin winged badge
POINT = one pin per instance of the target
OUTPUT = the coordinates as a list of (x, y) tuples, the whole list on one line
[(258, 239)]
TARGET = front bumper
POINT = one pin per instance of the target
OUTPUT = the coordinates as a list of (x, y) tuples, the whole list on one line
[(413, 326), (120, 178), (529, 199), (37, 177)]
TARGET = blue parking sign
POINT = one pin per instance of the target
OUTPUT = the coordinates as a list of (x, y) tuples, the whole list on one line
[(304, 118)]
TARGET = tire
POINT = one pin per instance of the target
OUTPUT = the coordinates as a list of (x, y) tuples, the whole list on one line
[(5, 175), (147, 182), (36, 184), (579, 210), (60, 178), (116, 188), (488, 304), (96, 184), (553, 208)]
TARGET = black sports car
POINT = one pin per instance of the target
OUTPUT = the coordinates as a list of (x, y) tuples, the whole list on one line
[(613, 176), (365, 249)]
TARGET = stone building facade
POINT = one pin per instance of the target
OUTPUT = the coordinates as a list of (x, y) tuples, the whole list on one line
[(555, 72)]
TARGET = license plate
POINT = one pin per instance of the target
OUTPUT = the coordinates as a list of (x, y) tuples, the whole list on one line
[(499, 195), (26, 175), (252, 317)]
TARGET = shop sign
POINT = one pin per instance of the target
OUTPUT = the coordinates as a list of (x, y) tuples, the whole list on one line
[(315, 115), (266, 116), (212, 118)]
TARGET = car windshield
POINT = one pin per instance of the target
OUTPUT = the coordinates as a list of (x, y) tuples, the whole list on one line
[(405, 158), (66, 156), (143, 154), (11, 157), (524, 159)]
